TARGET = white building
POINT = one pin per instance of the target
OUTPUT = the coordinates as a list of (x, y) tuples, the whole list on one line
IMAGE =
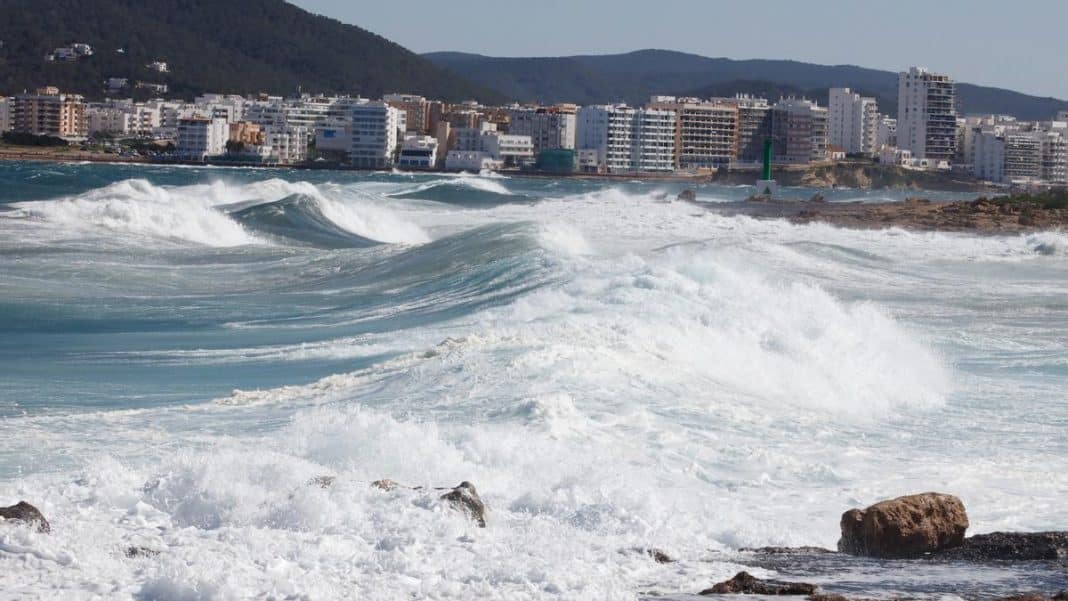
[(853, 122), (548, 128), (374, 135), (418, 152), (222, 106), (887, 133), (288, 145), (927, 114), (158, 67), (706, 132), (200, 137), (474, 161), (5, 114), (628, 139), (510, 149)]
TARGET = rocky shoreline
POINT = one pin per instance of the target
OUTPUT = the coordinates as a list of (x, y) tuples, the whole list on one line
[(1005, 215), (905, 535)]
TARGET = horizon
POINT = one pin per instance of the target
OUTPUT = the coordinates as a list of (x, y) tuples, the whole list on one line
[(1026, 60)]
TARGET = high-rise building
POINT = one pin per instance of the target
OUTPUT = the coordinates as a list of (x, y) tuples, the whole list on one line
[(47, 112), (927, 114), (628, 139), (798, 131), (548, 127), (416, 111), (754, 125), (5, 114), (853, 121), (706, 132), (202, 137), (374, 135)]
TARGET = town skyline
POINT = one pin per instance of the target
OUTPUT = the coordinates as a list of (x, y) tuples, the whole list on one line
[(946, 39)]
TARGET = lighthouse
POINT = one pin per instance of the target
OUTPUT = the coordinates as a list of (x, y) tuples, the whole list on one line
[(767, 186)]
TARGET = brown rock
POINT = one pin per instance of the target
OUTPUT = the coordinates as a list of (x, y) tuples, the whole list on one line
[(787, 550), (465, 498), (904, 527), (746, 583), (25, 513), (1025, 597)]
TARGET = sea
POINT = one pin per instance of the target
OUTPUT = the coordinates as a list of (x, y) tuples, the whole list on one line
[(184, 350)]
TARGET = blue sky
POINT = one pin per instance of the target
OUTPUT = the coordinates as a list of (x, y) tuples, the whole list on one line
[(1021, 45)]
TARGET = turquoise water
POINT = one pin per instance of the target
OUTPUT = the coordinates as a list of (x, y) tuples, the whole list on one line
[(183, 348)]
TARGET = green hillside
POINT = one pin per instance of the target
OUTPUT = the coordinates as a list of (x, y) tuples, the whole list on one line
[(231, 46), (634, 76)]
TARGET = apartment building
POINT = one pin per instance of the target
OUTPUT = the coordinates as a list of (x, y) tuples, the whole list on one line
[(5, 113), (416, 111), (798, 131), (47, 112), (628, 139), (706, 132), (927, 114), (201, 137), (754, 125), (288, 144), (549, 128), (374, 135), (853, 121), (122, 118)]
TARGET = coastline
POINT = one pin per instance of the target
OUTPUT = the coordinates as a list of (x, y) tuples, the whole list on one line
[(982, 215)]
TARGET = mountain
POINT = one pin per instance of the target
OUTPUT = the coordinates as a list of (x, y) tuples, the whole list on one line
[(230, 46), (634, 76)]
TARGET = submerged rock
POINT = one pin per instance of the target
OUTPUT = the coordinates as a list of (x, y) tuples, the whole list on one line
[(746, 583), (1011, 546), (26, 513), (465, 498), (385, 484), (904, 527), (688, 194), (138, 552), (322, 481), (786, 550)]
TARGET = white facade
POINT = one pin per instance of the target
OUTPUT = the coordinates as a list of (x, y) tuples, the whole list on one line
[(628, 139), (548, 128), (123, 118), (200, 137), (374, 135), (5, 114), (886, 134), (853, 121), (927, 114), (288, 145), (510, 149), (474, 161), (418, 152)]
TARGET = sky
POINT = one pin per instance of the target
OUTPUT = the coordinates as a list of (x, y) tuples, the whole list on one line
[(1020, 45)]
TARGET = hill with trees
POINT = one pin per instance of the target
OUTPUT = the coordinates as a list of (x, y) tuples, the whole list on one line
[(634, 76), (231, 46)]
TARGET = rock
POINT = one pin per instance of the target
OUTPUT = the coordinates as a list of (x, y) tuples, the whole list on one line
[(827, 597), (659, 556), (1014, 546), (1061, 596), (322, 481), (817, 197), (688, 194), (385, 484), (904, 527), (746, 583), (787, 550), (465, 498), (137, 552), (1025, 597), (24, 512)]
